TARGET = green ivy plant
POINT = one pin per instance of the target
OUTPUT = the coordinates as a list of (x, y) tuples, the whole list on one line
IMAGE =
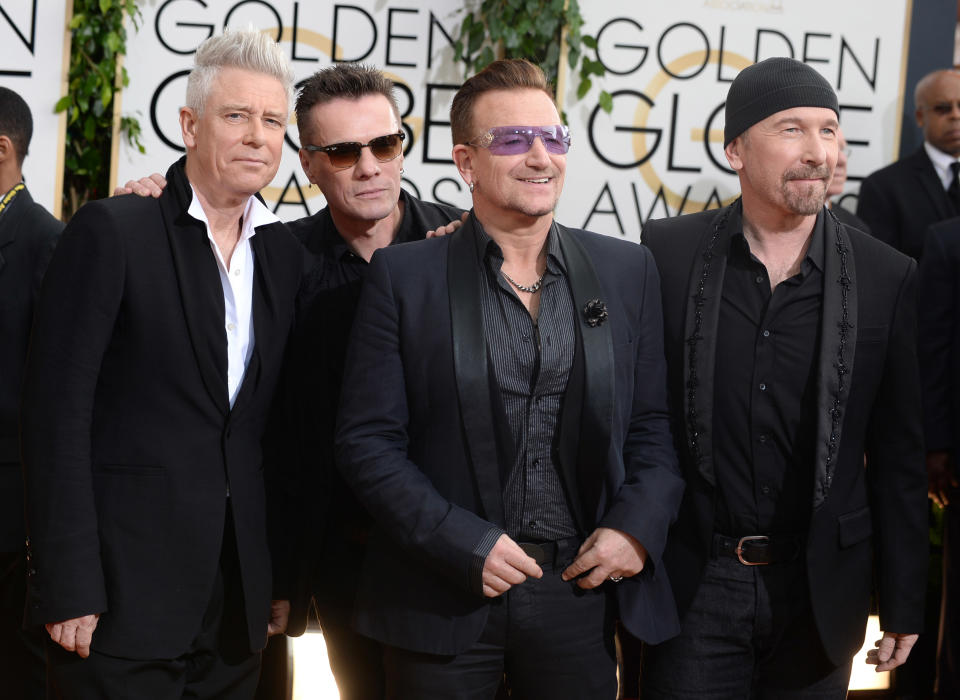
[(99, 40), (530, 29)]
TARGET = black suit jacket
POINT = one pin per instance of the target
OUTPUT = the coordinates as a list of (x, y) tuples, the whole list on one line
[(940, 335), (868, 403), (332, 526), (900, 201), (416, 436), (129, 441), (28, 234)]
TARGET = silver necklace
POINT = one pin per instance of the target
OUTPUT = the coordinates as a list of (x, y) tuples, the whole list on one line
[(532, 289)]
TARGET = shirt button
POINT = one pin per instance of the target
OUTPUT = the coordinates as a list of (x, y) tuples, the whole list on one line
[(236, 273), (231, 327), (763, 387), (762, 438), (765, 490), (766, 334), (536, 462), (759, 279)]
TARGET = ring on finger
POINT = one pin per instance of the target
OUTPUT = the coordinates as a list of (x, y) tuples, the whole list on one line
[(616, 579)]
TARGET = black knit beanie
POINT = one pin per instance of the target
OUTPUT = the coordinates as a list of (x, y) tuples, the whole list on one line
[(771, 86)]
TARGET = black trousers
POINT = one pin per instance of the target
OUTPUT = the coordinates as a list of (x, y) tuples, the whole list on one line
[(22, 663), (218, 663), (948, 647), (545, 638), (749, 634)]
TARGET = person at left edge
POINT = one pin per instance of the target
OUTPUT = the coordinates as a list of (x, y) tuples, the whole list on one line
[(504, 422), (158, 341), (28, 233)]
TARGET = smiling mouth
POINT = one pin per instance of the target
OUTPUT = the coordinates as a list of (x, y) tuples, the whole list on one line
[(536, 180)]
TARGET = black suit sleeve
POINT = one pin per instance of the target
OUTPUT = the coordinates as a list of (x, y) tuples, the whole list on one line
[(372, 441), (896, 477), (937, 319), (649, 497), (76, 312)]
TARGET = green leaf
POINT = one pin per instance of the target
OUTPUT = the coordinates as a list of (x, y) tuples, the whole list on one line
[(589, 41), (583, 88), (606, 101), (105, 6), (62, 104)]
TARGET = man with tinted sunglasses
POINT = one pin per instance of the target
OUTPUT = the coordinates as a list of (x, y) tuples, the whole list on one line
[(504, 421)]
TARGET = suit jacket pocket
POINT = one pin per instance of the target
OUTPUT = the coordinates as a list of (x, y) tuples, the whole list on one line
[(854, 527), (129, 469), (872, 334)]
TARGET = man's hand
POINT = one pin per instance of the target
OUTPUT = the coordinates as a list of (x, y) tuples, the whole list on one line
[(940, 478), (449, 228), (74, 634), (279, 616), (892, 650), (610, 553), (507, 565), (150, 186)]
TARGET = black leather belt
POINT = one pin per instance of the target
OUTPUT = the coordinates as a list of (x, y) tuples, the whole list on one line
[(556, 552), (754, 550)]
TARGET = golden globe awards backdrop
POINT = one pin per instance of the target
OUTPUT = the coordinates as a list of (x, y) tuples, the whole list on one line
[(34, 58), (658, 153), (669, 65), (410, 41)]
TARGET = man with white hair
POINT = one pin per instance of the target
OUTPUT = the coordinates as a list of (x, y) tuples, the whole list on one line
[(160, 331)]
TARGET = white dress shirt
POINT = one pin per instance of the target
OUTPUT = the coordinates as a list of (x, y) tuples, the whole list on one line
[(237, 282), (941, 163)]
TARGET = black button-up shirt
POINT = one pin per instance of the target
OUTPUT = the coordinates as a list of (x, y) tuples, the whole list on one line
[(764, 420), (531, 364)]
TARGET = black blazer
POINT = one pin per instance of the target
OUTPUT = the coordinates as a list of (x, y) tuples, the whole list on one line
[(940, 334), (416, 434), (28, 234), (900, 201), (129, 442), (869, 402)]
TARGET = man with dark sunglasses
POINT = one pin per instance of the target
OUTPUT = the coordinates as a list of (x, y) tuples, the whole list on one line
[(504, 421)]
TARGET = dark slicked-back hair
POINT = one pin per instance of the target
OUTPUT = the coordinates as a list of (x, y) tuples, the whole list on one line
[(15, 122), (342, 81), (505, 74)]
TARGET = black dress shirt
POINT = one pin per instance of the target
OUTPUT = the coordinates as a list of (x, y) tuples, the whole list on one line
[(765, 392), (326, 306), (531, 365)]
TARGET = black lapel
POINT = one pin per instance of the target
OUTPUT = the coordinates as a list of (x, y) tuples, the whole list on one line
[(201, 292), (10, 220), (263, 313), (700, 333), (838, 340), (592, 378), (470, 368)]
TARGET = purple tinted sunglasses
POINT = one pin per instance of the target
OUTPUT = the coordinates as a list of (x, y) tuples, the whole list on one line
[(514, 140)]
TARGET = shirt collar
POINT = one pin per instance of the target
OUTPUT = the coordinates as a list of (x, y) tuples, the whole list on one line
[(815, 250), (487, 247), (941, 163), (255, 214)]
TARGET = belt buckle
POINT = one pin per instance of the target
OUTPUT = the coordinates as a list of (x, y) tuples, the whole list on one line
[(739, 550)]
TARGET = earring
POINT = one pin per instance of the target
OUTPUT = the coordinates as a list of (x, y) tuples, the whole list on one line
[(401, 171), (471, 186)]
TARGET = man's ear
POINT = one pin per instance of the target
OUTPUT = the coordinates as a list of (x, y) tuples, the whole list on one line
[(7, 150), (733, 152), (188, 127), (463, 159)]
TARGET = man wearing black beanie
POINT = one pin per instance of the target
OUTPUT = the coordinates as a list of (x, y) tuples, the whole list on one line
[(791, 347)]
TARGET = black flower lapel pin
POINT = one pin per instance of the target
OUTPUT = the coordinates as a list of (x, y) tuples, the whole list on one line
[(595, 312)]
